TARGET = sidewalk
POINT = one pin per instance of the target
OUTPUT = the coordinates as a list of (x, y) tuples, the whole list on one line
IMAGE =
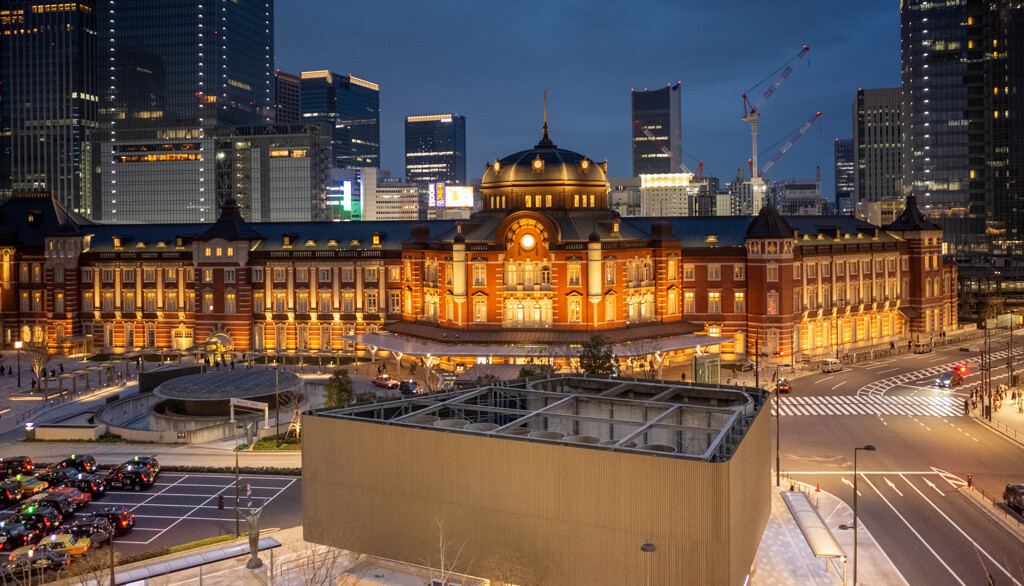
[(1006, 420), (784, 557)]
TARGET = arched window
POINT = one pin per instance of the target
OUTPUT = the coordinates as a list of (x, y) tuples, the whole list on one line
[(545, 275), (528, 275), (511, 275)]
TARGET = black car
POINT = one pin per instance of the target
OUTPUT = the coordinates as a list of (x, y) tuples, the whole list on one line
[(93, 484), (40, 519), (58, 502), (147, 462), (56, 476), (782, 386), (80, 463), (17, 464), (1013, 496), (38, 558), (131, 477), (10, 492), (14, 535), (98, 529), (410, 387), (122, 519)]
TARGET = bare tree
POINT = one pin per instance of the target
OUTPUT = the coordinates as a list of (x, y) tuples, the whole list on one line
[(442, 569), (644, 364), (320, 565), (511, 568), (39, 356), (93, 568)]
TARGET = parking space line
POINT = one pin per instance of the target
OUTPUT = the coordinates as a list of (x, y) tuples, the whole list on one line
[(155, 495), (180, 519)]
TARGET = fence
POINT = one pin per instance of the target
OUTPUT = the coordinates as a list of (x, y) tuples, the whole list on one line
[(1008, 518)]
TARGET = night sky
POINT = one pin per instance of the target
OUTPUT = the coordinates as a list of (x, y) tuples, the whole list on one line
[(491, 61)]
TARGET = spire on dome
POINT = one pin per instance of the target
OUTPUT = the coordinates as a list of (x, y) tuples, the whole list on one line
[(545, 142)]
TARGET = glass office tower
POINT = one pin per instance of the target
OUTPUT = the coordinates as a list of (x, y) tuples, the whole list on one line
[(435, 149), (48, 99), (659, 112), (350, 108), (844, 175)]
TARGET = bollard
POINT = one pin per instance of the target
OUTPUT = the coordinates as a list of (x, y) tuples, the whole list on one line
[(970, 481), (817, 487)]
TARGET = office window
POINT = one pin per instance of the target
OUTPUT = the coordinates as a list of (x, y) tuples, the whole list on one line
[(689, 302), (394, 302), (904, 263), (280, 275), (773, 303), (207, 275), (108, 275), (854, 268), (257, 274), (714, 272), (150, 335), (129, 335), (839, 268), (149, 275), (826, 269), (108, 301), (773, 272), (37, 273), (811, 270), (302, 303), (301, 275), (673, 269), (58, 302), (479, 309), (87, 302), (325, 337), (229, 302), (229, 275), (190, 301), (609, 272), (324, 305), (258, 302), (394, 274), (739, 302), (325, 275), (673, 303), (714, 302), (688, 272), (370, 275), (609, 308), (574, 274), (575, 309), (545, 275), (129, 301), (171, 301), (796, 272), (348, 302), (347, 274), (208, 302), (280, 302), (479, 274), (171, 276), (129, 275), (371, 302), (738, 273), (87, 275)]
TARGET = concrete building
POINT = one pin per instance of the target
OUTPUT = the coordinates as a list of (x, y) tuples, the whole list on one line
[(625, 195), (799, 197), (389, 198), (880, 212), (748, 195), (49, 97), (435, 149), (566, 475), (844, 175), (289, 106), (658, 112), (677, 194), (349, 110), (274, 172), (877, 145)]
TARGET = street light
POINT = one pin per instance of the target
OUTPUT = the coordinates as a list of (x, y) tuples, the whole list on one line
[(856, 523), (778, 425), (650, 548), (17, 345), (238, 496)]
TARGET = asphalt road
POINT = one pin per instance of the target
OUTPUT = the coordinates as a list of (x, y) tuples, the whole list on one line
[(926, 448)]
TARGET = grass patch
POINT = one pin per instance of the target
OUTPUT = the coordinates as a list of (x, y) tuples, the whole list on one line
[(270, 443)]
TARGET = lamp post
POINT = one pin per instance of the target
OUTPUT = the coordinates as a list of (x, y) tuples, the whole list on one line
[(856, 523), (238, 426), (17, 345), (1009, 359), (648, 548), (778, 426), (277, 402)]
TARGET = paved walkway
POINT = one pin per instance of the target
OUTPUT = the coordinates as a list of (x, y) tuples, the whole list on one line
[(785, 559), (1008, 420)]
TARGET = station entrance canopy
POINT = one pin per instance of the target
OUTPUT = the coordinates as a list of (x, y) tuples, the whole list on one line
[(378, 341)]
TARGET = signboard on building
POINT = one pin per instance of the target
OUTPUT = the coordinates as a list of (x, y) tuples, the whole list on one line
[(458, 197)]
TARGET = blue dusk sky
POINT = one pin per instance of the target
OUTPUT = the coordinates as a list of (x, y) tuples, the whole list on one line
[(491, 62)]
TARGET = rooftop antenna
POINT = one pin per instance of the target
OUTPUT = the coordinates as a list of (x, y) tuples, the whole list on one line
[(545, 141)]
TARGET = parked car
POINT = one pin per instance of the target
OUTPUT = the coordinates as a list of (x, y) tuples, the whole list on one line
[(14, 535), (80, 463), (410, 387), (831, 365), (10, 492), (78, 498), (55, 476), (30, 485), (17, 464), (60, 542), (782, 386), (61, 503), (922, 348), (121, 518), (949, 379), (41, 519), (385, 381), (131, 477), (98, 529), (93, 484), (147, 462), (31, 559), (1013, 496)]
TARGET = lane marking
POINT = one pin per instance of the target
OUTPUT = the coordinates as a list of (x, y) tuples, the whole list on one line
[(968, 537), (909, 526), (893, 486), (839, 385), (887, 370), (929, 483)]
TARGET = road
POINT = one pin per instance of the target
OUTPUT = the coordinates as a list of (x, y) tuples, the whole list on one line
[(926, 448)]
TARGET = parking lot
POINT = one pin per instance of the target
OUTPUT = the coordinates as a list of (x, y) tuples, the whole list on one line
[(180, 508)]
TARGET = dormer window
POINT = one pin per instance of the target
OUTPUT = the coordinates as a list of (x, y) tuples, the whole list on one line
[(161, 245), (286, 240), (355, 242), (376, 239), (310, 242), (179, 242), (140, 244), (332, 242), (117, 239)]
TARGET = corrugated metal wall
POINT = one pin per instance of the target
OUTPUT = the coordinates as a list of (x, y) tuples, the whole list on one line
[(575, 515)]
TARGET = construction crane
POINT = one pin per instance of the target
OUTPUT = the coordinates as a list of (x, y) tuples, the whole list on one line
[(785, 147), (751, 112), (693, 176)]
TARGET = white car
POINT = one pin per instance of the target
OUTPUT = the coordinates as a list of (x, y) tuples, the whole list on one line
[(831, 365)]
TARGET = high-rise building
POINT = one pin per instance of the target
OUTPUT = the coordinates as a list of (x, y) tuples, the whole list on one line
[(350, 108), (844, 168), (389, 198), (289, 108), (876, 145), (962, 121), (185, 64), (799, 197), (435, 149), (48, 99), (658, 112)]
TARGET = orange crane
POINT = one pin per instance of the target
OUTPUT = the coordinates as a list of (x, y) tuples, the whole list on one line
[(694, 176), (785, 147), (751, 112)]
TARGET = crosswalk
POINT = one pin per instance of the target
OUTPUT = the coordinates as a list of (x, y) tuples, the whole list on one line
[(871, 405), (928, 375)]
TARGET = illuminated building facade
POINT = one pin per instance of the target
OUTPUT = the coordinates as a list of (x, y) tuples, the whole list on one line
[(844, 171), (435, 149), (349, 108), (289, 107), (659, 112), (876, 145), (48, 99), (541, 267)]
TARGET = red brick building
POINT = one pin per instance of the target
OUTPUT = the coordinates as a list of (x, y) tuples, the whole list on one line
[(541, 267)]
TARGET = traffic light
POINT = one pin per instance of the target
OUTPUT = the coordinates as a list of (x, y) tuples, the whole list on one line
[(220, 502)]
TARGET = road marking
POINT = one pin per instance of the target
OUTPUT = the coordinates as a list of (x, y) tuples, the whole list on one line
[(907, 523), (839, 385), (850, 484), (929, 483), (887, 370), (913, 406), (955, 481), (977, 547), (893, 486), (821, 380)]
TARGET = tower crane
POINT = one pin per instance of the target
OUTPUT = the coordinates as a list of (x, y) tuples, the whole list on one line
[(751, 112), (785, 147), (694, 176)]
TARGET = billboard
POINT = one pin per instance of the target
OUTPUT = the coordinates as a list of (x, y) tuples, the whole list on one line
[(457, 197)]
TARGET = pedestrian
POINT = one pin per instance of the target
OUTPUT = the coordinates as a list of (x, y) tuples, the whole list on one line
[(892, 345), (9, 371), (53, 373), (33, 383), (62, 368), (966, 409), (3, 372), (909, 345)]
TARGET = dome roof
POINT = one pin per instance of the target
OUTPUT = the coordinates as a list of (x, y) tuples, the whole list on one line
[(544, 163), (769, 224)]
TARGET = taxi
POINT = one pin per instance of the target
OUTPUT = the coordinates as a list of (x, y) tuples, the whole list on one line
[(72, 544)]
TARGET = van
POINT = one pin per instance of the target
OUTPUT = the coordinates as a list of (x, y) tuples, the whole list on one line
[(831, 365), (922, 348)]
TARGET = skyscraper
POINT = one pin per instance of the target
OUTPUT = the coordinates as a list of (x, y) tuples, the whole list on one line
[(876, 145), (844, 175), (658, 112), (288, 104), (350, 108), (962, 122), (48, 99), (435, 149)]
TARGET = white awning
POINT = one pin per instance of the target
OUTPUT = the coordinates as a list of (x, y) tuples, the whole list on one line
[(407, 346), (816, 532)]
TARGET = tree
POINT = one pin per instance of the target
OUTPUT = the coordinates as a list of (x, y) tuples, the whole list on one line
[(596, 357), (510, 568), (39, 356), (532, 370), (320, 565), (338, 392), (443, 568)]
